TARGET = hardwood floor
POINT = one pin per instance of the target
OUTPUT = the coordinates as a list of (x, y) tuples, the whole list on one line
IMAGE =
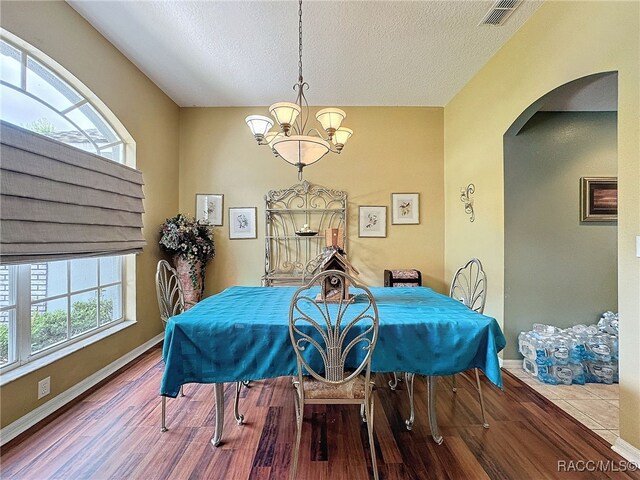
[(114, 433)]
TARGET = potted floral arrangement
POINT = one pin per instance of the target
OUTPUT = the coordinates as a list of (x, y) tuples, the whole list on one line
[(190, 242)]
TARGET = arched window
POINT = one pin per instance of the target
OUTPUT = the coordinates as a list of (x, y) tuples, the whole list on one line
[(57, 298), (34, 97)]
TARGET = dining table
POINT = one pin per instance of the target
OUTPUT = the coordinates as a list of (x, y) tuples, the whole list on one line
[(242, 334)]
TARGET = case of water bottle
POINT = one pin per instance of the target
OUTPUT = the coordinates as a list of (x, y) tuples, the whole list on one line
[(579, 354)]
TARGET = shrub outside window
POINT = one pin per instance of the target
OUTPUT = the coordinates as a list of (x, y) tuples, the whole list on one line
[(66, 300)]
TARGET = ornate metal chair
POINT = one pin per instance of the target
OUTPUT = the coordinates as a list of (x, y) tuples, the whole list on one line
[(171, 303), (469, 285), (330, 332)]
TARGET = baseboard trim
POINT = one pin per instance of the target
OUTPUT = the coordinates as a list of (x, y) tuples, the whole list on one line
[(14, 429), (511, 363), (627, 451)]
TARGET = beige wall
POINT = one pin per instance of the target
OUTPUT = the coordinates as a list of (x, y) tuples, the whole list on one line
[(392, 150), (561, 42), (152, 119)]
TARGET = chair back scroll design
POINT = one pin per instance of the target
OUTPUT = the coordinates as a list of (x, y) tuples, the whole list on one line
[(469, 285), (169, 291), (333, 328)]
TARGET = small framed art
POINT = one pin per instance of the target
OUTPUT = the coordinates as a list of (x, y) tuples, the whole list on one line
[(242, 223), (372, 221), (209, 208), (405, 208), (598, 199)]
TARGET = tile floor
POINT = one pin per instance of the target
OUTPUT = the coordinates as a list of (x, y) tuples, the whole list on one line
[(595, 405)]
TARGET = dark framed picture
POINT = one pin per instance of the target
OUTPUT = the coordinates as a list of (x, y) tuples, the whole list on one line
[(242, 223), (209, 208), (598, 199)]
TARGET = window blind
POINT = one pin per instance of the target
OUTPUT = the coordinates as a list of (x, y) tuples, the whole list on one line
[(57, 201)]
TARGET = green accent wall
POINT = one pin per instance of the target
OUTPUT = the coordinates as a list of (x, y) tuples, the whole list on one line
[(558, 270)]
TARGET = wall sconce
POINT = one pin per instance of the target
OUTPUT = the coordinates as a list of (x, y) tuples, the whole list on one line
[(465, 197)]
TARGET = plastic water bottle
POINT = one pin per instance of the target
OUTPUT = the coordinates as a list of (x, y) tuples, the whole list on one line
[(598, 348), (556, 374), (525, 345), (608, 323), (562, 349), (578, 373), (563, 373), (530, 367), (542, 329), (613, 339), (545, 354), (601, 372), (579, 329)]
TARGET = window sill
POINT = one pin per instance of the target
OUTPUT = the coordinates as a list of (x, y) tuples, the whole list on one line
[(41, 362)]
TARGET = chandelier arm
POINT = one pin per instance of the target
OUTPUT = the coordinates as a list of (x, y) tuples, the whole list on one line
[(317, 132), (301, 122)]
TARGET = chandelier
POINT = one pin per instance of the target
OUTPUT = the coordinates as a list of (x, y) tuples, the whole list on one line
[(293, 142)]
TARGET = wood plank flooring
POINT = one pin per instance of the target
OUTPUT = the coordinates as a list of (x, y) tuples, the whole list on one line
[(113, 433)]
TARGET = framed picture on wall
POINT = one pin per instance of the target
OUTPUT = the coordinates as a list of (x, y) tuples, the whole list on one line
[(598, 199), (405, 208), (242, 223), (209, 208), (372, 221)]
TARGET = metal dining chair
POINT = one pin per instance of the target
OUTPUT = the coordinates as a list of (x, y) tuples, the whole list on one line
[(171, 303), (330, 331), (469, 286)]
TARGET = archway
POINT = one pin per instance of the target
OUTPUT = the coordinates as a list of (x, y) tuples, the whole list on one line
[(559, 270)]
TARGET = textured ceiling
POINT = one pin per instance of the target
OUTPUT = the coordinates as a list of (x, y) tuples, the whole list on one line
[(241, 53)]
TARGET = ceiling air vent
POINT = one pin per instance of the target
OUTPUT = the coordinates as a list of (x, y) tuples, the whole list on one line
[(500, 11)]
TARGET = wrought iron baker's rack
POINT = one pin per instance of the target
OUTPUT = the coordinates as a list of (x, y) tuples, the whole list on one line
[(290, 258)]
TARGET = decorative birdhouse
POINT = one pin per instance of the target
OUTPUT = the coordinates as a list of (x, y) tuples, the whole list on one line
[(334, 290)]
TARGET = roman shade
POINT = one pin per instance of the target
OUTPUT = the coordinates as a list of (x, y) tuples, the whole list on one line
[(58, 201)]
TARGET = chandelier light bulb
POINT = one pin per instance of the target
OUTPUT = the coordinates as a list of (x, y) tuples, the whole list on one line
[(330, 119), (285, 114), (341, 136), (259, 125)]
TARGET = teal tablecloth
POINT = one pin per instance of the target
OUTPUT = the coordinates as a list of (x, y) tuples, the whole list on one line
[(242, 334)]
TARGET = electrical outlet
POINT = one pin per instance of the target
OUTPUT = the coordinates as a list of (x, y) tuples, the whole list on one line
[(44, 387)]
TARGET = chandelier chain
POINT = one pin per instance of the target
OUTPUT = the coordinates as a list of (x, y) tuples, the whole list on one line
[(300, 41)]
